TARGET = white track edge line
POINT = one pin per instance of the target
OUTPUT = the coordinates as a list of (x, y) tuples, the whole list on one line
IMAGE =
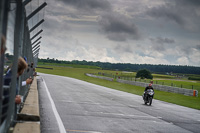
[(59, 121)]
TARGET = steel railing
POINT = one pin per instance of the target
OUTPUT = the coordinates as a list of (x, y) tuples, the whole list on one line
[(14, 27)]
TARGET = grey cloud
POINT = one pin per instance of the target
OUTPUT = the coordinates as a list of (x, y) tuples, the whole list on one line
[(118, 27), (159, 43), (158, 47), (52, 24), (165, 12), (198, 47), (123, 48), (188, 2), (182, 12), (185, 50), (89, 4), (161, 40)]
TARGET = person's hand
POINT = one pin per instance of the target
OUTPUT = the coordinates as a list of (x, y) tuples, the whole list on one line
[(29, 80), (18, 99)]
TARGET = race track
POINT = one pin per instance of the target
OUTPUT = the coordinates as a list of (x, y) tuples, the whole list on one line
[(74, 106)]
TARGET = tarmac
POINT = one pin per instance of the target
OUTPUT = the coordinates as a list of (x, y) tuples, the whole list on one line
[(29, 117)]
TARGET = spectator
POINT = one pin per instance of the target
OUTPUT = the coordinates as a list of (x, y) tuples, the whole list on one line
[(22, 65), (34, 72), (28, 81)]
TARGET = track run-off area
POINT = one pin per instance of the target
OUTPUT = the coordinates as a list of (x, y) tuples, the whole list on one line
[(69, 105)]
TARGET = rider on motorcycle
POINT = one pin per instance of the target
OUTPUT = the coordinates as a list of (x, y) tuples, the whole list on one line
[(148, 87)]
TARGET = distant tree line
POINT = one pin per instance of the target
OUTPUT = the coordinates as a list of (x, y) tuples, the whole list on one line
[(131, 67)]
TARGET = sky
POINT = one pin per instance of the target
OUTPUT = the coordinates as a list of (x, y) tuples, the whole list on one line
[(120, 31)]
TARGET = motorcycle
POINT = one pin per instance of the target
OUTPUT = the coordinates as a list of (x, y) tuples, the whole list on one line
[(148, 96)]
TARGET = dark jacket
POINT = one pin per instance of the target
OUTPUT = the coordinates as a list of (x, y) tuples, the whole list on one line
[(148, 87)]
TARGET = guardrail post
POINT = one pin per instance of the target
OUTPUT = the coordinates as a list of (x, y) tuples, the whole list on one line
[(36, 45), (36, 34), (26, 2), (36, 11), (36, 48), (11, 112), (36, 51), (36, 40), (39, 23), (4, 4)]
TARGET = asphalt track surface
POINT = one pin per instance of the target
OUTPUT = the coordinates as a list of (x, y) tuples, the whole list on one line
[(69, 105)]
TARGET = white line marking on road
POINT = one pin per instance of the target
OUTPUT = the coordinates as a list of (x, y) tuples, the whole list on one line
[(59, 121)]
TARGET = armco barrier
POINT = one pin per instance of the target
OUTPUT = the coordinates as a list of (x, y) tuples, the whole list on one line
[(20, 37), (183, 91)]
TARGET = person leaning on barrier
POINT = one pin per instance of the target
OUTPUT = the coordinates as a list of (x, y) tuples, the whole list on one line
[(34, 72), (34, 69), (22, 65), (28, 80)]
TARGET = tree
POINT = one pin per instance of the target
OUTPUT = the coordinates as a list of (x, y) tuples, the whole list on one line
[(144, 73)]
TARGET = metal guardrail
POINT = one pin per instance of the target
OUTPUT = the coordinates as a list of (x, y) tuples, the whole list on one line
[(155, 82), (15, 35), (188, 92)]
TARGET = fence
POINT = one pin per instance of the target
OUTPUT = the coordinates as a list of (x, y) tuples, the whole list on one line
[(15, 35), (183, 91), (158, 82)]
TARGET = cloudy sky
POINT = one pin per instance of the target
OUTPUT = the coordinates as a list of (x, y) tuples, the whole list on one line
[(125, 31)]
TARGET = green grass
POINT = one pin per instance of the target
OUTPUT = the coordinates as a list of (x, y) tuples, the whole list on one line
[(163, 76), (78, 73)]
